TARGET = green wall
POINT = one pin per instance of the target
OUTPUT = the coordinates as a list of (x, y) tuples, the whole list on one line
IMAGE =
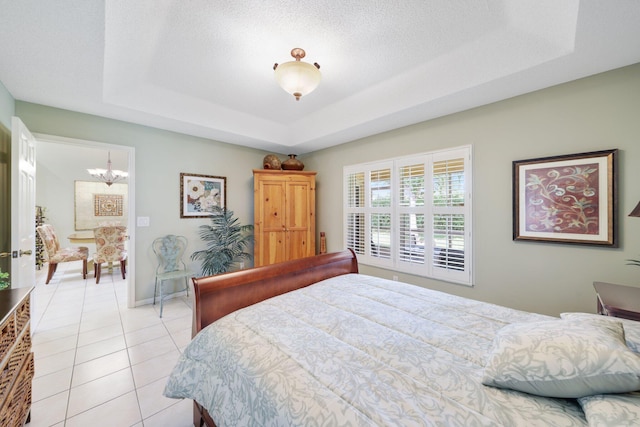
[(160, 158), (595, 113)]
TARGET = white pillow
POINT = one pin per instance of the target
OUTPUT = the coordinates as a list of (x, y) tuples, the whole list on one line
[(563, 358), (605, 410), (631, 327)]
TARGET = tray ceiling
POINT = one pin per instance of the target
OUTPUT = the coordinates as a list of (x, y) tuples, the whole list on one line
[(204, 67)]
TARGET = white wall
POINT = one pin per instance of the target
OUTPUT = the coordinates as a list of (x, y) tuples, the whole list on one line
[(596, 113), (58, 166)]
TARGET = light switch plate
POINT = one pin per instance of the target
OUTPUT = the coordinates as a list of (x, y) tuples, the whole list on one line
[(143, 221)]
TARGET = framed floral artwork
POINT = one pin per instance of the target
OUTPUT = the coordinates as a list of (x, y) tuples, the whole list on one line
[(567, 199), (199, 194)]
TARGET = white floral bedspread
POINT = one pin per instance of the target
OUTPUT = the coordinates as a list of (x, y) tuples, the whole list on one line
[(356, 350)]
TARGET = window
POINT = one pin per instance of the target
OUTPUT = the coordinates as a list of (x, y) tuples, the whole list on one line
[(412, 214)]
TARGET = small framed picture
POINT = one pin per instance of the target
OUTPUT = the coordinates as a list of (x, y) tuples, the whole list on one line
[(200, 194), (567, 199)]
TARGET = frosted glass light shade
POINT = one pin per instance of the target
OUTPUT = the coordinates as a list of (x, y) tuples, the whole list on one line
[(297, 77), (108, 175)]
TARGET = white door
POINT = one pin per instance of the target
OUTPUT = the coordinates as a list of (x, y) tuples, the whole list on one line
[(23, 205)]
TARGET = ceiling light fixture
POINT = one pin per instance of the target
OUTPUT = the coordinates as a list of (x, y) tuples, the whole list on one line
[(108, 175), (297, 77)]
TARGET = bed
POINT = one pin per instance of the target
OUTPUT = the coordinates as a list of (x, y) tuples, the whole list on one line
[(312, 342)]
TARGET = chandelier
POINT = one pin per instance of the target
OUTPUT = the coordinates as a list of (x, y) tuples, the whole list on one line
[(297, 77), (108, 175)]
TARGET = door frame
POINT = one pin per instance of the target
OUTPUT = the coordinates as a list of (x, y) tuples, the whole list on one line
[(131, 226)]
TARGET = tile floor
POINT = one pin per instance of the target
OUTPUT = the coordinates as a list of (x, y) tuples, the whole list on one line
[(98, 363)]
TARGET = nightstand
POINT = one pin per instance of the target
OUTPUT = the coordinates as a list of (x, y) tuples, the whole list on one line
[(618, 300)]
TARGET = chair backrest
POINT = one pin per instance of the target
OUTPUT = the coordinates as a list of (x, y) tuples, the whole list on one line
[(110, 243), (170, 249), (49, 239)]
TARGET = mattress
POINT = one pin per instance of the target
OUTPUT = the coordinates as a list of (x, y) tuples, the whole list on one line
[(356, 350)]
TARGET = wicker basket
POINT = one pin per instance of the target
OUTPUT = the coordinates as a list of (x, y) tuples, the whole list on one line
[(16, 409), (23, 315), (7, 336), (10, 369)]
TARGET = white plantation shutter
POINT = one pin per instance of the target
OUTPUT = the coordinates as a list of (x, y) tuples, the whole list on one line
[(413, 214), (450, 182), (355, 225), (380, 212)]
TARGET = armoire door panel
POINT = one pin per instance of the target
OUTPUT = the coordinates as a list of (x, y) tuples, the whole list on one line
[(298, 212), (273, 247), (273, 206), (298, 244)]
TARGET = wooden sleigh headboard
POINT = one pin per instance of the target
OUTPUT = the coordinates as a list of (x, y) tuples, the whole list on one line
[(217, 296)]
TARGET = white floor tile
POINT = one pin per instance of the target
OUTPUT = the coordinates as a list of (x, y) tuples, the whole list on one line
[(146, 334), (147, 350), (151, 399), (178, 415), (102, 390), (121, 411), (42, 334), (49, 385), (50, 364), (182, 338), (140, 320), (50, 348), (100, 348), (99, 334), (174, 308), (99, 367), (179, 324), (99, 363), (153, 369), (49, 411)]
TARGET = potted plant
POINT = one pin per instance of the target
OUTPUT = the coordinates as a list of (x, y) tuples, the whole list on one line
[(228, 243), (4, 280)]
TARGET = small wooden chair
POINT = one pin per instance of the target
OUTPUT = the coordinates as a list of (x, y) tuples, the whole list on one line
[(56, 254), (110, 248)]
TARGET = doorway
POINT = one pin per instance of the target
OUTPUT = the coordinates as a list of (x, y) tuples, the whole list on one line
[(63, 161), (5, 197)]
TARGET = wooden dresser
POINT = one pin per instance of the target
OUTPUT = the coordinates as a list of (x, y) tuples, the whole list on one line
[(284, 215), (16, 358)]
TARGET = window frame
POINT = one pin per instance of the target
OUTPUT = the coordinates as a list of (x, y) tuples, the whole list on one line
[(400, 260)]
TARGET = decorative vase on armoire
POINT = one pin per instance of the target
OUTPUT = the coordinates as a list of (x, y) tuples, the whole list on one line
[(292, 164)]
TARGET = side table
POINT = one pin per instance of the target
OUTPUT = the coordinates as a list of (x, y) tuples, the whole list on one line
[(618, 300)]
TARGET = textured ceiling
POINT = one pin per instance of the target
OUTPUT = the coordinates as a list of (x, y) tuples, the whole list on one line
[(204, 67)]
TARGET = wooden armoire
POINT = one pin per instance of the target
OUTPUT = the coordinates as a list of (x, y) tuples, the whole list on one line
[(284, 215)]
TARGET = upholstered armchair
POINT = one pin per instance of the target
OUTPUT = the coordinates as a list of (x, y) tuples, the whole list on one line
[(56, 254), (110, 242)]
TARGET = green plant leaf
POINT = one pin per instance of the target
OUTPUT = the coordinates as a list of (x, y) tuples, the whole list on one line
[(227, 243)]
